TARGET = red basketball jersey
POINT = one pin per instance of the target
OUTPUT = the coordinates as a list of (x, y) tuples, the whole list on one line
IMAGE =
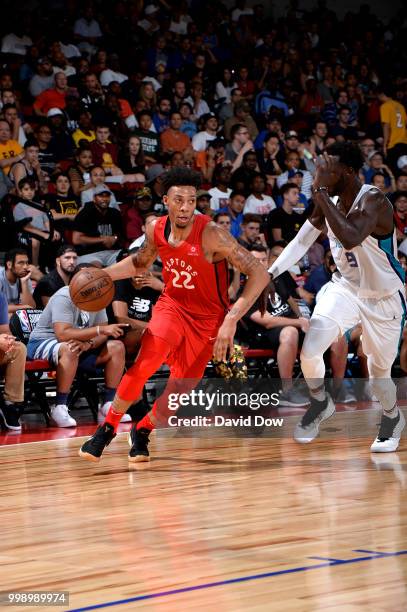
[(197, 286)]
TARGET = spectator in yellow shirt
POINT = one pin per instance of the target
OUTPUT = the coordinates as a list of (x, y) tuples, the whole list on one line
[(10, 151), (85, 129), (393, 119)]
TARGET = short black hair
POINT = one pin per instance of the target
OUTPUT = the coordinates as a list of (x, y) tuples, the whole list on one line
[(349, 154), (12, 254), (286, 187), (220, 214), (26, 180), (66, 248), (181, 177), (259, 248)]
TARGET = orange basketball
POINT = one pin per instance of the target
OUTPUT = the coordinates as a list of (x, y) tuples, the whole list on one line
[(91, 289)]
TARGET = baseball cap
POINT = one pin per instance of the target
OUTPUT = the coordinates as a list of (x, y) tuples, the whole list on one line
[(201, 193), (294, 172), (291, 134), (101, 189), (154, 172), (144, 192), (208, 116), (53, 112), (151, 9), (402, 162), (43, 60)]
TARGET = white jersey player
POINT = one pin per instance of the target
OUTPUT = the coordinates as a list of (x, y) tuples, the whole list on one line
[(368, 288)]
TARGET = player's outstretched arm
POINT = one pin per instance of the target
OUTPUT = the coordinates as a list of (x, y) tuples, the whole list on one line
[(139, 262), (295, 249), (218, 243)]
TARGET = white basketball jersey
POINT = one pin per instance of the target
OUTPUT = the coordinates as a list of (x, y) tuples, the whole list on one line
[(371, 268)]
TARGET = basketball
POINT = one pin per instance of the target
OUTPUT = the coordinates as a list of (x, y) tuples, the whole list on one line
[(91, 289)]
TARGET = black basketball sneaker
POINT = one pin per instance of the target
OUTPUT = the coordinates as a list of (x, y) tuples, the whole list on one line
[(93, 448), (138, 441)]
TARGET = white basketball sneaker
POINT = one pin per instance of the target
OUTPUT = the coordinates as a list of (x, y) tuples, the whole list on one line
[(103, 410), (389, 434), (61, 417), (308, 428)]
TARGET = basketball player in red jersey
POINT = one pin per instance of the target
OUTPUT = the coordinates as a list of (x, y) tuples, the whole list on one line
[(191, 320)]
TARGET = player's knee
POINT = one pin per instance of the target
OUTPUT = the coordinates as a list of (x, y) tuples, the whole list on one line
[(116, 349), (289, 335), (64, 352)]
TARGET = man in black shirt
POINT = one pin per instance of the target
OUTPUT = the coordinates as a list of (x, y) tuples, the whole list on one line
[(98, 230), (65, 264), (283, 223), (280, 329), (133, 304)]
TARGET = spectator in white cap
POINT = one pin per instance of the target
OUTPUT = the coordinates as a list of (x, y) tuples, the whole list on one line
[(402, 163), (149, 23), (98, 230)]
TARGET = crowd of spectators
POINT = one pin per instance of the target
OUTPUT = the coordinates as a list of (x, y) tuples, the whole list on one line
[(98, 99)]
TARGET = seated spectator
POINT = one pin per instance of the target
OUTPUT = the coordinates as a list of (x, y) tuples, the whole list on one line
[(225, 86), (15, 283), (311, 102), (250, 234), (133, 305), (379, 181), (206, 162), (246, 84), (242, 177), (62, 204), (70, 339), (173, 139), (199, 105), (12, 367), (79, 173), (179, 91), (188, 126), (52, 98), (376, 165), (61, 64), (112, 71), (293, 162), (240, 143), (154, 182), (29, 167), (281, 329), (267, 157), (203, 202), (140, 204), (296, 177), (400, 214), (46, 154), (61, 141), (223, 220), (161, 118), (220, 192), (19, 130), (98, 230), (132, 160), (65, 265), (43, 79), (11, 151), (318, 138), (87, 31), (241, 115), (273, 124), (97, 176), (201, 139), (105, 153), (92, 96), (235, 211), (283, 223), (342, 130), (320, 275), (227, 109), (35, 226), (150, 141), (258, 202), (84, 130)]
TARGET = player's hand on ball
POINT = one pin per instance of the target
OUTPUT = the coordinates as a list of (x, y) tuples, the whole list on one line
[(224, 340), (115, 330)]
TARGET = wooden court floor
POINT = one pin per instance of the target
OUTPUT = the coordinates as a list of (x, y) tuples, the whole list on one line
[(225, 522)]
